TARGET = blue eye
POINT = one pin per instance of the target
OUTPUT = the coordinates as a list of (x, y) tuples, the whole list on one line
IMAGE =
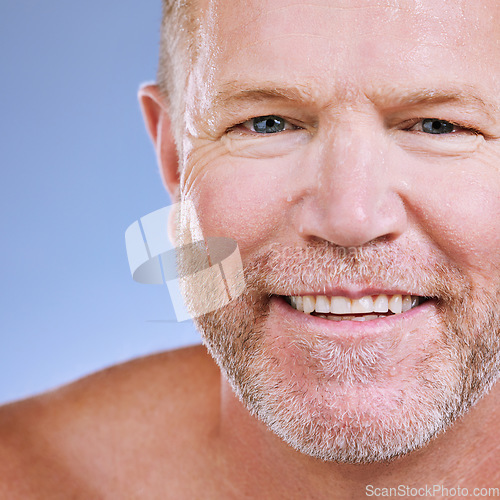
[(435, 126), (268, 124)]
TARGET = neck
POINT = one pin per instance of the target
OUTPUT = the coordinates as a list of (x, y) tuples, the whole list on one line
[(467, 454)]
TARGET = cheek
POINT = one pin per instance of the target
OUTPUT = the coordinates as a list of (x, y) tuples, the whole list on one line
[(243, 200), (464, 217)]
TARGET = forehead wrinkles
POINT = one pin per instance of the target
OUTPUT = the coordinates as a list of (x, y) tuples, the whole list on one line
[(218, 20), (245, 16)]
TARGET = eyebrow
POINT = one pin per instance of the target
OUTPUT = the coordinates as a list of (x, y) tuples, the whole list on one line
[(234, 94), (431, 96)]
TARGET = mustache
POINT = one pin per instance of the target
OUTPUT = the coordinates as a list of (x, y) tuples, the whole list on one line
[(282, 269)]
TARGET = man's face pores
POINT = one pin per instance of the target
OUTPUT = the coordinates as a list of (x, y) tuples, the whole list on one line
[(352, 152)]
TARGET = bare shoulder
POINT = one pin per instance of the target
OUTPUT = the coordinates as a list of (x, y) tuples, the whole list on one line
[(101, 432)]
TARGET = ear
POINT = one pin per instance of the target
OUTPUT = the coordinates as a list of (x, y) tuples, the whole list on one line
[(158, 124)]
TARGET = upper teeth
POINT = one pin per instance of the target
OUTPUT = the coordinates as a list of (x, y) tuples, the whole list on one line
[(343, 305)]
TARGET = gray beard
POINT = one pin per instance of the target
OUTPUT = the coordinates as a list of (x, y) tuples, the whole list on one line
[(329, 398)]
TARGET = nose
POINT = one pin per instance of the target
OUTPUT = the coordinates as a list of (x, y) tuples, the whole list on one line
[(354, 196)]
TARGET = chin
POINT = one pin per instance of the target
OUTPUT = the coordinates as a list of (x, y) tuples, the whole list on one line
[(349, 405)]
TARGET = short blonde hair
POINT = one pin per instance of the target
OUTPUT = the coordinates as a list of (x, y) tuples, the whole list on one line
[(177, 51)]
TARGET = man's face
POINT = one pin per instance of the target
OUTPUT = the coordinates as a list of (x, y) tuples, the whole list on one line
[(352, 150)]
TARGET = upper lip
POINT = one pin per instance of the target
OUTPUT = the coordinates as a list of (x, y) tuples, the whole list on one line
[(352, 293)]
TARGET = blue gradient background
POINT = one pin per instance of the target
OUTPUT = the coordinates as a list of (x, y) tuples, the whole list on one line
[(77, 169)]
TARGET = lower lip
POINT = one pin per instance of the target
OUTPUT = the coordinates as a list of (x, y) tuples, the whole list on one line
[(409, 319)]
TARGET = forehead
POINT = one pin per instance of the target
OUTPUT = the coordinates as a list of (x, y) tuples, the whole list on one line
[(347, 46)]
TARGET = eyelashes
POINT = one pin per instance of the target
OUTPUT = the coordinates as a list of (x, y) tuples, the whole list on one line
[(266, 125), (437, 126), (276, 124)]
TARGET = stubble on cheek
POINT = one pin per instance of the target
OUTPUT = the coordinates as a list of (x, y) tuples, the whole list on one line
[(473, 332)]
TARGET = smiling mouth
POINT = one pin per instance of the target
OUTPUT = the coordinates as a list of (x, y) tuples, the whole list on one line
[(370, 307)]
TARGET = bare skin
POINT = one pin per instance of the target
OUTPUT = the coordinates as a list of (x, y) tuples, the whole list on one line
[(121, 433), (166, 427), (170, 426)]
